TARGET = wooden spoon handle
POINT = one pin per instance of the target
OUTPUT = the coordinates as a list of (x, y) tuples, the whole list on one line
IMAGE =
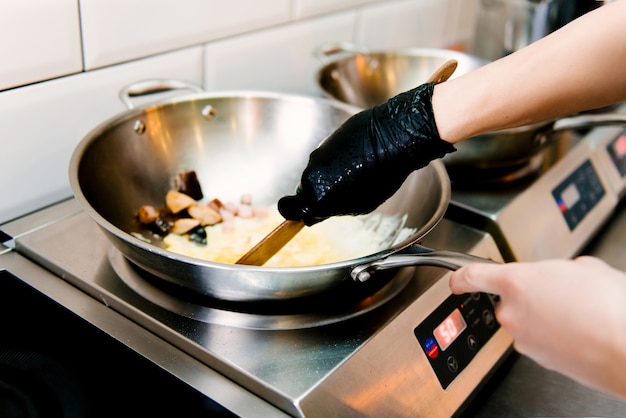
[(444, 72), (271, 243)]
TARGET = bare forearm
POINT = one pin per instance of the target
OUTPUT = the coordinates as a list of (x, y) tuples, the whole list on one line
[(577, 68)]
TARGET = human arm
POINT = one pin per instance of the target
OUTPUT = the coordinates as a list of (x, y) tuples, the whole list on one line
[(567, 315), (578, 67)]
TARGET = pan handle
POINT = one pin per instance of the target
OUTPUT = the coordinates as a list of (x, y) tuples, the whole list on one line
[(582, 120), (153, 86), (323, 52), (586, 120), (417, 255)]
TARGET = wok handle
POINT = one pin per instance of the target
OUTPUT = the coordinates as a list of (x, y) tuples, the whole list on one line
[(416, 255), (583, 120), (153, 86), (323, 52)]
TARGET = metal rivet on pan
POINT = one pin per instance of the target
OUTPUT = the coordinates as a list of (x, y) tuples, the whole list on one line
[(139, 127), (208, 112)]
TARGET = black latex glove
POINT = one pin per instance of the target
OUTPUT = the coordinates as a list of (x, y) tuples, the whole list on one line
[(367, 159)]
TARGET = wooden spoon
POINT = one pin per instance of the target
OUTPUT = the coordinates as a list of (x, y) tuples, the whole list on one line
[(271, 243), (283, 233)]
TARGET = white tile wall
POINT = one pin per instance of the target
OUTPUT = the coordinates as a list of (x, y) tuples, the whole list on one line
[(58, 92), (308, 8), (41, 124), (460, 23), (402, 24), (39, 40), (119, 30), (279, 59)]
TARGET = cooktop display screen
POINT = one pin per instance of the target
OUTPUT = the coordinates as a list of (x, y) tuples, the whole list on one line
[(617, 151), (450, 329), (454, 333), (578, 194)]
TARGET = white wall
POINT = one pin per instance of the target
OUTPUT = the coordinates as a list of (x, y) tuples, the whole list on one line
[(63, 62)]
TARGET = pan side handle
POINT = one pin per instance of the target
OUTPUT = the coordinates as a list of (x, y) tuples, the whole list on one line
[(325, 52), (416, 255), (153, 86), (545, 135)]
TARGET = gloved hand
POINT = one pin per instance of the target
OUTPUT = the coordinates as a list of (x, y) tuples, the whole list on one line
[(367, 159)]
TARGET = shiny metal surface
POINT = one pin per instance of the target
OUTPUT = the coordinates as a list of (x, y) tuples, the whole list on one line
[(114, 171), (346, 368), (363, 78), (522, 388), (504, 26), (191, 371), (416, 255), (599, 140), (304, 372), (517, 146), (509, 212), (147, 87), (308, 313), (609, 243)]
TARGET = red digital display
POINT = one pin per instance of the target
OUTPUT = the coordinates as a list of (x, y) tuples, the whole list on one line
[(620, 146), (449, 329)]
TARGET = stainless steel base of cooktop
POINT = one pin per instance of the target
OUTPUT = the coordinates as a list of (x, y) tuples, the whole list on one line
[(331, 359), (556, 210)]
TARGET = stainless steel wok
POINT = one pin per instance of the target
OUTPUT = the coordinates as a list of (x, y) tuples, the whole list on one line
[(237, 142), (352, 75)]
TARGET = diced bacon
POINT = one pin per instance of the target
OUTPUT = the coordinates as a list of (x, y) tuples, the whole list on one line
[(228, 226), (246, 199), (147, 214), (260, 212), (245, 211), (227, 216), (231, 207), (216, 204)]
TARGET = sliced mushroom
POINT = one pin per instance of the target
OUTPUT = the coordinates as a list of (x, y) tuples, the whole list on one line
[(183, 225), (177, 201), (186, 181), (205, 214)]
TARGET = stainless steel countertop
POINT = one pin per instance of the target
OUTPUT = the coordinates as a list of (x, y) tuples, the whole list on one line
[(522, 388), (610, 243)]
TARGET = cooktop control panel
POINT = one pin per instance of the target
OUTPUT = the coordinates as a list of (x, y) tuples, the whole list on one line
[(578, 194), (609, 146), (452, 334)]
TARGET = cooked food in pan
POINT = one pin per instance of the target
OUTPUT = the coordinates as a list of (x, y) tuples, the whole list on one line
[(223, 232)]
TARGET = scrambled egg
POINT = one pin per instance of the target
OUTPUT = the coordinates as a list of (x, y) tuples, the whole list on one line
[(335, 239)]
